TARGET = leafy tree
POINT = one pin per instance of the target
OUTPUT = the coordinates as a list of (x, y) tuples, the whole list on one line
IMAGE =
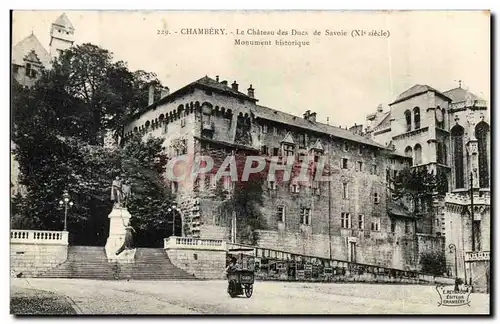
[(417, 185), (143, 165), (59, 127), (433, 263)]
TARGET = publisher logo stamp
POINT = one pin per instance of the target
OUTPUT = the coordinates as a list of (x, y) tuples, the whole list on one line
[(454, 295)]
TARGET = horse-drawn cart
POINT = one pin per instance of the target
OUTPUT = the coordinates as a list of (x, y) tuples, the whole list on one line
[(240, 272)]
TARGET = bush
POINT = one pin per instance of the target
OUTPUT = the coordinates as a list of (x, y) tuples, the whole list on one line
[(433, 263)]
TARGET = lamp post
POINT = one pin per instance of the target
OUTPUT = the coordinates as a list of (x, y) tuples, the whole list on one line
[(66, 201), (453, 249), (170, 210)]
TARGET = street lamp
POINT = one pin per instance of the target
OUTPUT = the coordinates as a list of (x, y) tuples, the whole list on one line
[(174, 207), (66, 202), (453, 249)]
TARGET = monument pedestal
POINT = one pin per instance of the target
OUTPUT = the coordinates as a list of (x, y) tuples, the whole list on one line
[(119, 218)]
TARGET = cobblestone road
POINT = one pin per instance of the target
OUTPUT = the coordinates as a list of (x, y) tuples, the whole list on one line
[(210, 297)]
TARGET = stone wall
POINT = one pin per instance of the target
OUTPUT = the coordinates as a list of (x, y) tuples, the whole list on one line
[(202, 264), (32, 259)]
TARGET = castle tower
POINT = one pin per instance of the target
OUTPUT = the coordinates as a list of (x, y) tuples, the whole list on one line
[(62, 35)]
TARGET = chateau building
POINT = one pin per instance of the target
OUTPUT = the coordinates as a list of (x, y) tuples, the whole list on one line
[(349, 218), (29, 57), (449, 134)]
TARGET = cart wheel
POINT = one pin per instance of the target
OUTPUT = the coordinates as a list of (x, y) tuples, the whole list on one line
[(248, 290), (231, 289)]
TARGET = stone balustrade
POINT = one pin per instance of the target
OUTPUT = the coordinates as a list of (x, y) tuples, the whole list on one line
[(174, 242), (39, 237)]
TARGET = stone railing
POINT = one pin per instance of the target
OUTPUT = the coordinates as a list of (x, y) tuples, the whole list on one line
[(39, 237), (174, 242)]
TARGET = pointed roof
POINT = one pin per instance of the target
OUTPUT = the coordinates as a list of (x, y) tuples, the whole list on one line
[(22, 49), (416, 90), (32, 57), (318, 146), (460, 94), (63, 21), (288, 139)]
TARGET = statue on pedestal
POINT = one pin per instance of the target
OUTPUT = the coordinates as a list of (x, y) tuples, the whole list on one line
[(116, 191)]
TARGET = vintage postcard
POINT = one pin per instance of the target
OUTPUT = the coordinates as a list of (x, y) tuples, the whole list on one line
[(250, 162)]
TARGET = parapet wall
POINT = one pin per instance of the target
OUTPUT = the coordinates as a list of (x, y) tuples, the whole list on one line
[(34, 252)]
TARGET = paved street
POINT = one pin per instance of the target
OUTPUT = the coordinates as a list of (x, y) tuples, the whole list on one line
[(210, 297)]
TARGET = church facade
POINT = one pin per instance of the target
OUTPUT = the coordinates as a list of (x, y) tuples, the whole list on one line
[(448, 133)]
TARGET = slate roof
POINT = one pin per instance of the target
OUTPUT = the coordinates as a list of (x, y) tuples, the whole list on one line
[(415, 91), (384, 122), (214, 85), (289, 119), (24, 48), (396, 209), (64, 22), (460, 94)]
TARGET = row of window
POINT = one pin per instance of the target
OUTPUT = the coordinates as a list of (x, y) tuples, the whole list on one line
[(302, 142), (416, 118), (345, 219)]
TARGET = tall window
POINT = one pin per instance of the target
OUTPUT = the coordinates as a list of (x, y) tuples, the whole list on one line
[(416, 117), (482, 134), (345, 220), (445, 154), (439, 152), (344, 163), (280, 214), (361, 222), (457, 139), (418, 154), (305, 215), (375, 225), (345, 190), (288, 149), (408, 120), (409, 152), (376, 198), (264, 129)]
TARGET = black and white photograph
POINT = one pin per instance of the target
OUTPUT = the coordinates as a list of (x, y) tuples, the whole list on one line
[(250, 162)]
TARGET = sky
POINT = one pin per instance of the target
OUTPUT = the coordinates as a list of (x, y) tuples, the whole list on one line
[(342, 78)]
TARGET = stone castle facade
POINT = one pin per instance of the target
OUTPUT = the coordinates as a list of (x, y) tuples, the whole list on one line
[(352, 218)]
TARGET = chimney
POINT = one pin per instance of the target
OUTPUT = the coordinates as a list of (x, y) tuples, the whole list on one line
[(380, 108), (356, 129), (312, 117), (234, 86), (151, 97), (306, 114), (224, 82), (165, 91), (251, 92), (217, 78)]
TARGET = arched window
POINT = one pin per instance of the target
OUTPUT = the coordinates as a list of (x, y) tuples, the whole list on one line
[(416, 117), (418, 154), (457, 140), (482, 136), (409, 152), (408, 120)]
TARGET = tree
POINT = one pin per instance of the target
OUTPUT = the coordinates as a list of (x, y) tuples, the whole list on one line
[(60, 123), (417, 185), (143, 164)]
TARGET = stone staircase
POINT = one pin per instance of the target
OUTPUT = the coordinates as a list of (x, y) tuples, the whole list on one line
[(90, 262)]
